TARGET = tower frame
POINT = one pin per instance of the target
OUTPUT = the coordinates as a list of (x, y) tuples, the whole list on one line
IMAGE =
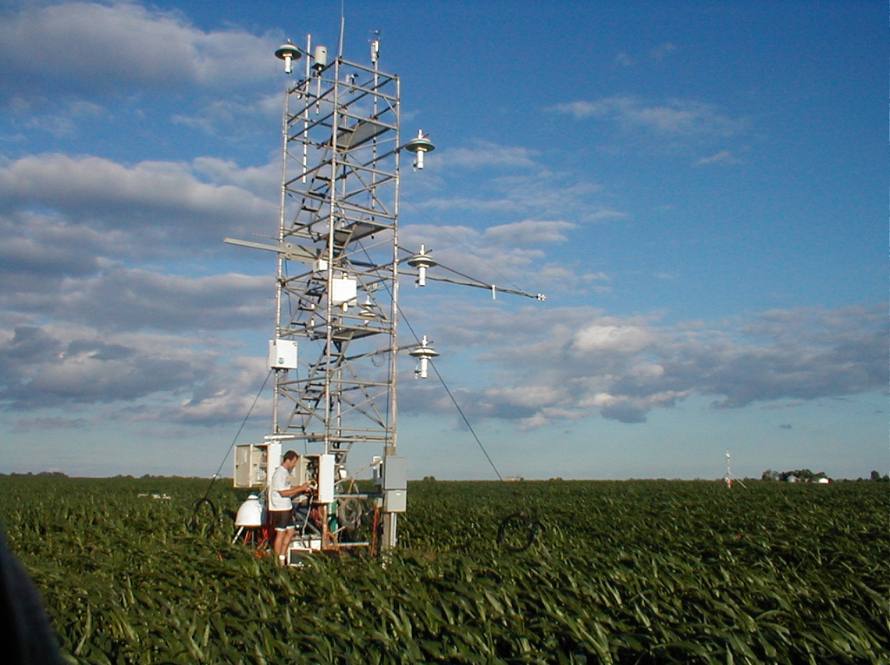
[(337, 268)]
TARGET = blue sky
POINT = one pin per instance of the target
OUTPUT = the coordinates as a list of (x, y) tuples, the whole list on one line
[(699, 188)]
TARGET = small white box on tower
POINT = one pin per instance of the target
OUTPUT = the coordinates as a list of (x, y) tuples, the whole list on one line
[(282, 354), (343, 290), (325, 478)]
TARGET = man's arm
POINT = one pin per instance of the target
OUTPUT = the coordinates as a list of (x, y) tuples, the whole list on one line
[(295, 491)]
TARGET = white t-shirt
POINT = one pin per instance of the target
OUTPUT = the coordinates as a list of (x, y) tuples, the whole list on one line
[(280, 482)]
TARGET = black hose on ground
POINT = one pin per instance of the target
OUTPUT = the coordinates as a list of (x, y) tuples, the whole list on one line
[(518, 532), (193, 520)]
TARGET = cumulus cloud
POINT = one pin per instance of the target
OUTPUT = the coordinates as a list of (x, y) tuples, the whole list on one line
[(662, 51), (134, 299), (529, 232), (90, 317), (263, 181), (503, 254), (525, 195), (163, 201), (612, 338), (99, 48), (226, 395), (118, 298), (722, 157), (485, 154), (147, 377), (46, 247), (622, 59), (233, 118), (604, 214), (43, 368), (674, 117), (559, 365), (584, 363)]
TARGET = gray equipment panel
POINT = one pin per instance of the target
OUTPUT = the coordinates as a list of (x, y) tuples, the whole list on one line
[(395, 501), (395, 473)]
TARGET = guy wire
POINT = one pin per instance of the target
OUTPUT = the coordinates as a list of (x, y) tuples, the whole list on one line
[(237, 434), (441, 379)]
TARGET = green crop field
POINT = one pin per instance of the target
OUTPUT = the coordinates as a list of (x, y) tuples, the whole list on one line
[(625, 572)]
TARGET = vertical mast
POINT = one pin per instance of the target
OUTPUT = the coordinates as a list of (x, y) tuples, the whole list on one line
[(390, 519), (279, 271)]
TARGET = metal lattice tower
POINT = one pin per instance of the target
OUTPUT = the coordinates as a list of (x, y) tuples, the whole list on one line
[(339, 231), (337, 272), (338, 257)]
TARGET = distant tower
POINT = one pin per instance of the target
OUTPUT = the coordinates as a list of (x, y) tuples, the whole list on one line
[(728, 477)]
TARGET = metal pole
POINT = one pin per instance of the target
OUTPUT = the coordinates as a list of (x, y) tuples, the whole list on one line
[(390, 520), (329, 306), (279, 273)]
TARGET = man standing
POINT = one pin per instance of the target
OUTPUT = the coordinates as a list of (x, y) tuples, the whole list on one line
[(281, 504)]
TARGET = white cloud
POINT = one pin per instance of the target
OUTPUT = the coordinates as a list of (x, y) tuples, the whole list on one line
[(62, 125), (485, 154), (97, 47), (529, 232), (529, 396), (564, 278), (612, 338), (135, 299), (48, 366), (467, 250), (722, 157), (113, 297), (576, 362), (526, 195), (145, 377), (263, 181), (164, 201), (662, 51), (603, 214), (509, 255), (233, 117), (45, 246), (227, 397), (658, 54), (622, 59), (678, 117)]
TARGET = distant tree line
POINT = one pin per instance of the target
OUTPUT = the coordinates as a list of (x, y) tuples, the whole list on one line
[(807, 476), (802, 475)]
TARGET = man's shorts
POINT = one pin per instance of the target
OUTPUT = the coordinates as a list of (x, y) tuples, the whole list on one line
[(281, 520)]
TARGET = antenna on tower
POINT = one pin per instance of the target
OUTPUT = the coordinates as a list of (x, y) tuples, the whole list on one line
[(342, 28), (728, 477)]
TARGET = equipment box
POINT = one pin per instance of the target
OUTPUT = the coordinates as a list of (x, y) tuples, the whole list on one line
[(395, 473), (395, 501), (251, 470), (318, 469)]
